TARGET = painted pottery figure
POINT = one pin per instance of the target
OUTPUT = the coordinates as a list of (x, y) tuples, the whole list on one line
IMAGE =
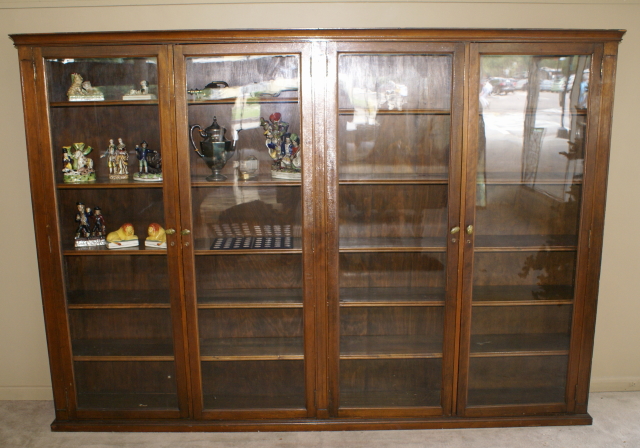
[(110, 154), (81, 90), (121, 162), (149, 164), (77, 167), (157, 237), (142, 94), (123, 237), (283, 147)]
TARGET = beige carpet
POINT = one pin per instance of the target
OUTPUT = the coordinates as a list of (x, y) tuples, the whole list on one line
[(616, 415)]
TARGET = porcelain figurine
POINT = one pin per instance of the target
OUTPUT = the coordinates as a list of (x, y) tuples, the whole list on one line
[(142, 94), (110, 154), (149, 164), (88, 235), (77, 167), (284, 148), (157, 237), (123, 237), (99, 228), (120, 162), (82, 90)]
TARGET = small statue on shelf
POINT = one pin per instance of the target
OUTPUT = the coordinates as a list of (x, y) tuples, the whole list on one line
[(86, 234), (77, 167), (121, 161), (123, 237), (284, 148), (82, 90), (110, 154), (99, 228), (149, 164), (157, 237), (142, 94)]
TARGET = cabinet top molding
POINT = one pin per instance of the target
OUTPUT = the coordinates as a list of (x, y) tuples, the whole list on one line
[(288, 35)]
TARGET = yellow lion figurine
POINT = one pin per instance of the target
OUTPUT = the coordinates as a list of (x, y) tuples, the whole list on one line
[(123, 237), (157, 236)]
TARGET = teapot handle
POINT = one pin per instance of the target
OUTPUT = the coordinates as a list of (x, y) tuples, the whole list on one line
[(193, 143)]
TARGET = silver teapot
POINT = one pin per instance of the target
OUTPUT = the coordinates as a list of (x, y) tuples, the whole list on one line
[(215, 150)]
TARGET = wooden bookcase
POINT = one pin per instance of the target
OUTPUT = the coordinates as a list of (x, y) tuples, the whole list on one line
[(435, 265)]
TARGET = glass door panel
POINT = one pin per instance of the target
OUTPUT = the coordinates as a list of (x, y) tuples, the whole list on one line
[(393, 152), (246, 223), (533, 113), (107, 153)]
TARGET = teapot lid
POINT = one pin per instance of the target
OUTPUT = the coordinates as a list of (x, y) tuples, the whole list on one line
[(214, 125)]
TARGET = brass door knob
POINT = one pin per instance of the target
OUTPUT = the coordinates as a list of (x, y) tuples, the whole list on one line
[(170, 231), (469, 229), (186, 232), (455, 230)]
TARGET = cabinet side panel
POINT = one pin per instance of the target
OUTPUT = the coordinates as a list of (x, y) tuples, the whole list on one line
[(42, 198), (608, 74)]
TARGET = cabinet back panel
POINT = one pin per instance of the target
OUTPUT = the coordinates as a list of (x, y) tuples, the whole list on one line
[(249, 323), (248, 271), (393, 211), (524, 268), (381, 270)]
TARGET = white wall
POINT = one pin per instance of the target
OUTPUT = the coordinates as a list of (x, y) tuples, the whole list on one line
[(24, 370)]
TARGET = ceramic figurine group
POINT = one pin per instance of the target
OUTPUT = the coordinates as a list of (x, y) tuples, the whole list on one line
[(142, 94), (125, 237), (91, 229), (82, 90), (284, 148), (77, 167)]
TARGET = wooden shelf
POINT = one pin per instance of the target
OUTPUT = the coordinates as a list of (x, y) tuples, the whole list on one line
[(510, 295), (525, 243), (293, 402), (493, 345), (202, 246), (393, 179), (266, 100), (70, 250), (390, 399), (515, 396), (262, 180), (376, 244), (251, 349), (391, 347), (250, 298), (103, 103), (109, 184), (422, 296), (128, 400), (400, 112), (121, 299), (122, 350)]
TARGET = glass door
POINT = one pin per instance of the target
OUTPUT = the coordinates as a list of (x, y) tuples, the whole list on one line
[(245, 148), (527, 162), (394, 248), (112, 163)]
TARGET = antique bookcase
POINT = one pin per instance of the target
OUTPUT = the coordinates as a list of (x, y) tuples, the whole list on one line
[(423, 253)]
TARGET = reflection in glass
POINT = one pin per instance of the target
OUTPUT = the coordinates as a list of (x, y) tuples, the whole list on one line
[(529, 186), (532, 122), (257, 94), (394, 116)]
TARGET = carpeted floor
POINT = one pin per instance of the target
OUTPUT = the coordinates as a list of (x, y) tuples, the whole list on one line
[(616, 415)]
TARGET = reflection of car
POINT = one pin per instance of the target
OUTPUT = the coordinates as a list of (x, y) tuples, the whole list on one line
[(558, 84), (546, 85), (521, 84), (501, 86)]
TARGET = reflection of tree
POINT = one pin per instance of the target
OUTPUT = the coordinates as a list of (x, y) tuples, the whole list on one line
[(554, 271)]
